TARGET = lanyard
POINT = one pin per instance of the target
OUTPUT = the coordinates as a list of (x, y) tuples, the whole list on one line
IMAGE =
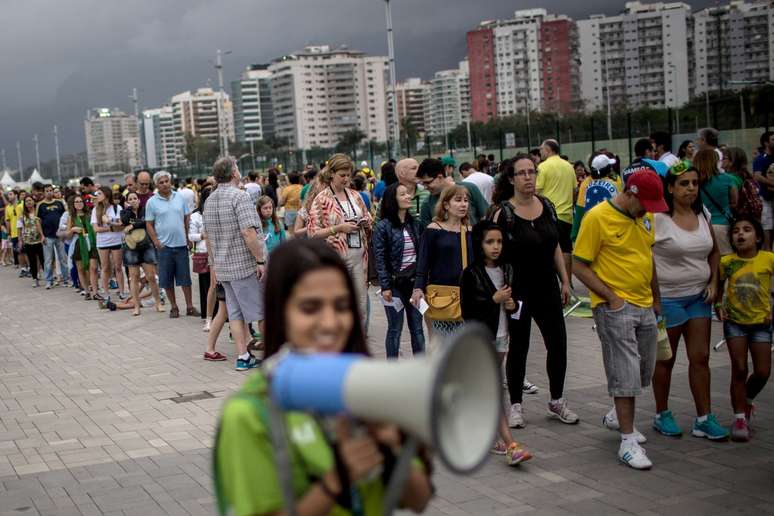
[(349, 201)]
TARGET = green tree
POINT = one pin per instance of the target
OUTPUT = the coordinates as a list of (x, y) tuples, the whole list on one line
[(349, 139), (198, 150)]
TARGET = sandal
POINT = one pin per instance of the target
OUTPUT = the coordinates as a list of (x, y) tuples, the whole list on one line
[(499, 448), (174, 313), (87, 297), (215, 356), (136, 312), (192, 312), (160, 309)]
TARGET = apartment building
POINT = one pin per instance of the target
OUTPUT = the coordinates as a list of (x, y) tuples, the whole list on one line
[(320, 93)]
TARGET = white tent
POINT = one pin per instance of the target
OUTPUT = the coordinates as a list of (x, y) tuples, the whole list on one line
[(37, 178), (7, 181)]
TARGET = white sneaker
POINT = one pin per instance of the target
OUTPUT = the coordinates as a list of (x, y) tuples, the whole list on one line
[(528, 387), (206, 327), (515, 417), (610, 420), (633, 455)]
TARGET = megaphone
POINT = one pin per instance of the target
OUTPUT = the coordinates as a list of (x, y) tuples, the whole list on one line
[(450, 400)]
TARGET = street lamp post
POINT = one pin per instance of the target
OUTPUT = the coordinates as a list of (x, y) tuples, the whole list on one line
[(607, 94), (56, 149), (393, 87), (222, 132), (37, 152), (19, 159)]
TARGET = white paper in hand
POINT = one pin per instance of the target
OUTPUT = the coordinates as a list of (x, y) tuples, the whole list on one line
[(423, 306)]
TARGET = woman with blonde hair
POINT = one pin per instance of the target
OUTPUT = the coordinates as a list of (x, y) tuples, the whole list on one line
[(441, 260), (718, 194), (339, 215), (106, 221)]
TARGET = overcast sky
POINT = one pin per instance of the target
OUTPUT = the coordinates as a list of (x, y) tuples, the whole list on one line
[(59, 58)]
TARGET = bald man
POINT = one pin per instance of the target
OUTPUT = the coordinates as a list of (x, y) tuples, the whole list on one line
[(406, 170), (144, 190)]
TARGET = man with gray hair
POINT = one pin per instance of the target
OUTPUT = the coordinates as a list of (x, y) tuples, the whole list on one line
[(235, 244), (166, 217), (709, 138), (406, 170)]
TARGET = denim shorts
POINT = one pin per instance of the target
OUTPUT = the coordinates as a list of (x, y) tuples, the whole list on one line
[(628, 337), (679, 310), (133, 257), (753, 332), (174, 267)]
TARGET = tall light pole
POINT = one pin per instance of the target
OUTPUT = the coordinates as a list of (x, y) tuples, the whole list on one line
[(58, 163), (37, 152), (19, 160), (222, 133), (393, 88), (677, 105)]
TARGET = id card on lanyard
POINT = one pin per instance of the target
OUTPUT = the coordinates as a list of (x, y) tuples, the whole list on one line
[(353, 239)]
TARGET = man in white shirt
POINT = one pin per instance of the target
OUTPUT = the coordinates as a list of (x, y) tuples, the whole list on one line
[(484, 182), (252, 187), (189, 195), (662, 142)]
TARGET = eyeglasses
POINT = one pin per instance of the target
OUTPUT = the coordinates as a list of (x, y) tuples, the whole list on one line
[(144, 184), (525, 173)]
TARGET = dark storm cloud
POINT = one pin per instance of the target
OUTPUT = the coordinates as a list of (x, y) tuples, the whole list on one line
[(60, 58)]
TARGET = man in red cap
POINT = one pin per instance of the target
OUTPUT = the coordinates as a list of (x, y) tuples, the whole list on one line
[(613, 258)]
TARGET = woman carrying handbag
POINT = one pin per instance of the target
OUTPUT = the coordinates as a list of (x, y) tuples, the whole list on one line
[(443, 255)]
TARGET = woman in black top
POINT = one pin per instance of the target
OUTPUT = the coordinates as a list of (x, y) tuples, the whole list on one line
[(533, 250), (440, 251)]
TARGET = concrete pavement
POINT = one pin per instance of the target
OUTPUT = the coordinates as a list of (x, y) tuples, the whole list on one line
[(105, 413)]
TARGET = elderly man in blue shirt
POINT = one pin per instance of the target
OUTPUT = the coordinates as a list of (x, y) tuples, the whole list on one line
[(167, 214)]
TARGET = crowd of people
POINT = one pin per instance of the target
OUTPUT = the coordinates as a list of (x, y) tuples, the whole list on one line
[(658, 243)]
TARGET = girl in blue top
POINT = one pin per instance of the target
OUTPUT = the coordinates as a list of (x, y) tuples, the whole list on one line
[(273, 231)]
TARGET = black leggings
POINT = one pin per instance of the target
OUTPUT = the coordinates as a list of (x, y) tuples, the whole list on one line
[(34, 254), (204, 287), (545, 307)]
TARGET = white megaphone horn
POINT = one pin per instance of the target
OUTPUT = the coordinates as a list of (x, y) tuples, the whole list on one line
[(450, 400)]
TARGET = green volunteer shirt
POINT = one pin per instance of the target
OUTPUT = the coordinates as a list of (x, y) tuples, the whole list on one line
[(246, 475), (418, 201), (476, 211)]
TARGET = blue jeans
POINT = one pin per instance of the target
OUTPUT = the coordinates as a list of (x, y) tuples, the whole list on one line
[(53, 249), (395, 327)]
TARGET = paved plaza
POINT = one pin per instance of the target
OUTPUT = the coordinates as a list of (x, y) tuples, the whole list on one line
[(105, 413)]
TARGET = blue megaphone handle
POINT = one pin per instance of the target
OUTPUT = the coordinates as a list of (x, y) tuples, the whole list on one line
[(312, 383)]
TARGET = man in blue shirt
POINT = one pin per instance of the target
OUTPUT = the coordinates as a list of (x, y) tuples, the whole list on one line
[(50, 210), (167, 214)]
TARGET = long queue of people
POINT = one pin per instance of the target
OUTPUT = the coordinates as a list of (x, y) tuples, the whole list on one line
[(658, 244)]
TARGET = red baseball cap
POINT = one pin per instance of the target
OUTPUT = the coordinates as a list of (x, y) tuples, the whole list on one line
[(649, 190)]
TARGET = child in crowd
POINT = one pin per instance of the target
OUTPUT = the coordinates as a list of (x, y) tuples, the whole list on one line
[(486, 297), (746, 316), (273, 231)]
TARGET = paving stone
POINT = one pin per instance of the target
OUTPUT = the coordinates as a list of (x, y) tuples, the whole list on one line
[(97, 434)]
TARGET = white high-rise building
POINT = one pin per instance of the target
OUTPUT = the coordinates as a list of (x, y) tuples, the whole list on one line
[(448, 102), (196, 113), (112, 141), (517, 61), (318, 94), (733, 45), (253, 112), (411, 95), (158, 130), (639, 57)]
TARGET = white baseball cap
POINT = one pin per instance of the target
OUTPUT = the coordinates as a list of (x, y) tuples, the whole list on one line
[(601, 161)]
